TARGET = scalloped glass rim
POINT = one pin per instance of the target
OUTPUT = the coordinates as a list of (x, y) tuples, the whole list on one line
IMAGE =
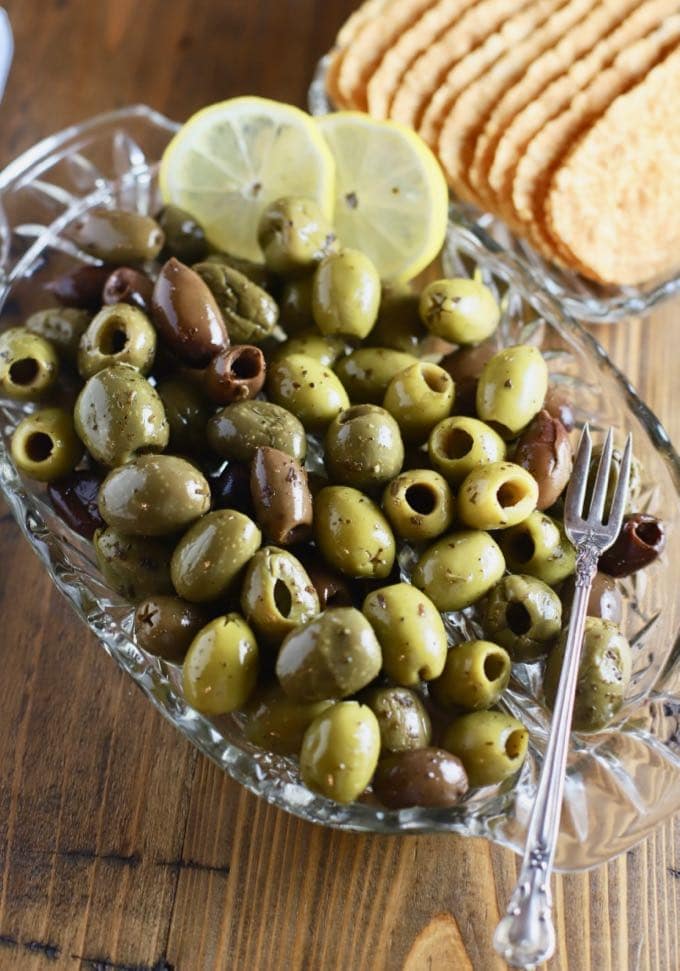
[(498, 814), (575, 294)]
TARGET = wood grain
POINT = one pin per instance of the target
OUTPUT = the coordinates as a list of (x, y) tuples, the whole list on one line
[(120, 847)]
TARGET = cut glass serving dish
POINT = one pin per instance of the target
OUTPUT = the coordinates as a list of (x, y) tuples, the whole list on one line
[(622, 781)]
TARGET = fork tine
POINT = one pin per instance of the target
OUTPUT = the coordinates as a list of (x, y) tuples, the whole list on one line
[(621, 493), (576, 490), (596, 510)]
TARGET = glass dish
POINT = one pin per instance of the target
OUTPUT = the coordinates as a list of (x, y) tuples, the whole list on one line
[(578, 296), (622, 781)]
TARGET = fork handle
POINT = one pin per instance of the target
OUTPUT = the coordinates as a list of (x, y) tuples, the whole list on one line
[(526, 936)]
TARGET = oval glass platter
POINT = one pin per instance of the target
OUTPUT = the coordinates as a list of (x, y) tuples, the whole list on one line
[(622, 781)]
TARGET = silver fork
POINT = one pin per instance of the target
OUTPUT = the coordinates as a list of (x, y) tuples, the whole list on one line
[(526, 935)]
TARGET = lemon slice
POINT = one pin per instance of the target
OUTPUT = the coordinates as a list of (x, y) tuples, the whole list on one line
[(233, 158), (391, 198)]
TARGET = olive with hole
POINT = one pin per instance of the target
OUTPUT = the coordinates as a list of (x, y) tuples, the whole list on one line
[(118, 414), (366, 372), (458, 445), (237, 431), (281, 496), (419, 505), (475, 675), (325, 349), (118, 334), (127, 285), (295, 306), (277, 723), (135, 566), (539, 546), (398, 325), (184, 236), (308, 389), (294, 235), (165, 626), (634, 479), (641, 540), (411, 633), (418, 398), (276, 594), (81, 288), (236, 374), (605, 600), (187, 413), (363, 447), (45, 446), (402, 717), (221, 666), (429, 777), (465, 365), (118, 235), (459, 569), (62, 327), (331, 656), (524, 615), (29, 365), (352, 533), (496, 496), (491, 745), (512, 388), (250, 313), (458, 310), (187, 316), (154, 495), (74, 499), (544, 450), (346, 294), (340, 751), (211, 554), (603, 677)]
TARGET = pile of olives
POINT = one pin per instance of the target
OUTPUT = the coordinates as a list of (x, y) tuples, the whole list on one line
[(295, 472)]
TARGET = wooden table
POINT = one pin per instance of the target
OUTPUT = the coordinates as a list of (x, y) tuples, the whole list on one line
[(120, 846)]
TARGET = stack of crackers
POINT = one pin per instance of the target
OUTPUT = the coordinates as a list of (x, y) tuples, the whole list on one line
[(561, 117)]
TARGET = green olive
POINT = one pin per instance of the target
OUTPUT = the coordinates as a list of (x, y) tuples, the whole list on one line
[(458, 310), (166, 626), (237, 431), (411, 633), (118, 414), (220, 669), (398, 325), (419, 397), (278, 723), (491, 745), (496, 496), (512, 388), (295, 306), (331, 656), (604, 675), (45, 445), (62, 327), (184, 236), (29, 365), (402, 718), (459, 569), (458, 445), (257, 273), (419, 505), (134, 566), (538, 546), (363, 447), (325, 350), (523, 615), (352, 533), (153, 495), (634, 479), (340, 751), (475, 675), (249, 312), (277, 595), (211, 554), (366, 372), (118, 334), (187, 413), (294, 235), (308, 389), (346, 294), (118, 235)]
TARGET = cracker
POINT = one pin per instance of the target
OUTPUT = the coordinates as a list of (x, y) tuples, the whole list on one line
[(357, 19), (331, 79), (620, 223), (579, 37), (427, 72), (548, 147), (418, 38), (372, 40)]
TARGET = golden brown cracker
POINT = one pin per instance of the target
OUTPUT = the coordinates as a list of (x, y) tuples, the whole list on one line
[(416, 39), (614, 201), (427, 72), (357, 19), (545, 151), (578, 37), (372, 40), (331, 78)]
